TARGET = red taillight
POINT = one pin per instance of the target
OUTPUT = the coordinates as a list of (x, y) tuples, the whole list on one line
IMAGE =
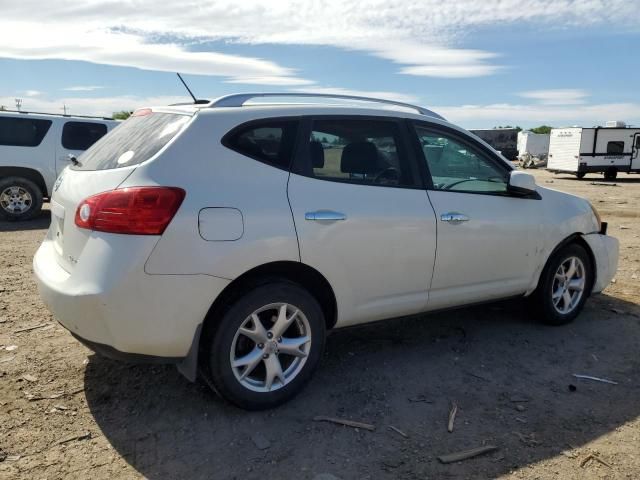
[(135, 210)]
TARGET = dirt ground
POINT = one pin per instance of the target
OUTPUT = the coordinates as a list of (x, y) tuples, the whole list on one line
[(66, 413)]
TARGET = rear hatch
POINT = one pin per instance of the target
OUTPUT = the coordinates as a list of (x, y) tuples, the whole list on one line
[(104, 167)]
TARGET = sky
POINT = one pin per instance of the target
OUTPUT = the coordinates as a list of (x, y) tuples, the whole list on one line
[(479, 63)]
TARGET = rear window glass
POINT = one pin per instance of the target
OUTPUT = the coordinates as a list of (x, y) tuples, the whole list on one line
[(137, 139), (270, 142), (23, 132), (81, 135)]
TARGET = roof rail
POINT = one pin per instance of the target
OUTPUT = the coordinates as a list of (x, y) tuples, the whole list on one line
[(239, 99), (66, 115)]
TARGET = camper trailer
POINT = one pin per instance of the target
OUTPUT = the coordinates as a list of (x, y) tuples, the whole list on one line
[(609, 150), (504, 140), (535, 144)]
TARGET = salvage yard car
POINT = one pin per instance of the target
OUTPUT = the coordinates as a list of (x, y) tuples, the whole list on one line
[(34, 149), (229, 238)]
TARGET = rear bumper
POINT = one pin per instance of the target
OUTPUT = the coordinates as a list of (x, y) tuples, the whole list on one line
[(605, 251), (116, 309)]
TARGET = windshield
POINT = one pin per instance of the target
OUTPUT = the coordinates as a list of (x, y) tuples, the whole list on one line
[(137, 139)]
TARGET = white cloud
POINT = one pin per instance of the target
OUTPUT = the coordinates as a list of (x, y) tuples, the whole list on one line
[(420, 36), (560, 96), (481, 116), (83, 88), (31, 93)]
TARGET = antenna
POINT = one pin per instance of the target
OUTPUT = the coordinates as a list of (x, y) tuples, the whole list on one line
[(195, 100), (18, 103)]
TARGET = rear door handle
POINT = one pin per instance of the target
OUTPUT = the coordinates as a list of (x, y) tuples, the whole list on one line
[(454, 217), (324, 215)]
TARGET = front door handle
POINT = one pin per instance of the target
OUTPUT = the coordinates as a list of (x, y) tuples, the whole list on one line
[(324, 215), (454, 217)]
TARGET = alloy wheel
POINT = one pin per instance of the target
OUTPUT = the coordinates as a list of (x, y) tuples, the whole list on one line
[(270, 348), (568, 285), (15, 200)]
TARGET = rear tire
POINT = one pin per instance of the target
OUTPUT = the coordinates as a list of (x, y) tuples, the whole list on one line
[(580, 175), (262, 365), (611, 174), (564, 286), (20, 199)]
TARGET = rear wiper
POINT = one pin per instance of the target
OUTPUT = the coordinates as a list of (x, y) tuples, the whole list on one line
[(72, 158)]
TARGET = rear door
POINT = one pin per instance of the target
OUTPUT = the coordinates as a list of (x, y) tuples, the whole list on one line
[(487, 240), (362, 216), (75, 138)]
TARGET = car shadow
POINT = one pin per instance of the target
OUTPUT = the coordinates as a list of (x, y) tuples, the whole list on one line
[(39, 222), (510, 377)]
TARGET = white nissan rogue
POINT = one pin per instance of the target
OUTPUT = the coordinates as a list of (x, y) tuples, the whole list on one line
[(229, 238)]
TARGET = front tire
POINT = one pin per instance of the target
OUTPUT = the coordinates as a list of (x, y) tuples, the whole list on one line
[(20, 199), (580, 175), (266, 346), (564, 286), (611, 174)]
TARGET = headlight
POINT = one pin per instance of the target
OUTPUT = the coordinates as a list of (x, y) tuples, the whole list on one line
[(596, 215)]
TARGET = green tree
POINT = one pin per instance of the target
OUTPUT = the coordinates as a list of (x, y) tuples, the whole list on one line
[(123, 115), (542, 129)]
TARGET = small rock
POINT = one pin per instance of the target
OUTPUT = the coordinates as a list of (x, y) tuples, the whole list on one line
[(260, 441), (624, 227), (634, 276), (325, 476), (11, 348), (572, 387), (29, 378), (520, 408)]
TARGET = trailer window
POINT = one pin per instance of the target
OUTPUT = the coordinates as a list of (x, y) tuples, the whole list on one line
[(615, 148), (81, 135), (23, 132)]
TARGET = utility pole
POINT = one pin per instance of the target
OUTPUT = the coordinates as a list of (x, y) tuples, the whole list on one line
[(18, 103), (64, 108)]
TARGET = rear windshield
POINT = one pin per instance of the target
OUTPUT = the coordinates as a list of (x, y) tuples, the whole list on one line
[(137, 139)]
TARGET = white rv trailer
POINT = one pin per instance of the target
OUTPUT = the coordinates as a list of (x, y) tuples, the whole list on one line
[(535, 144), (609, 150)]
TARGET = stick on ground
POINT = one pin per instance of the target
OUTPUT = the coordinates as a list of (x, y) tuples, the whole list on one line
[(452, 416), (465, 454), (26, 329), (348, 423)]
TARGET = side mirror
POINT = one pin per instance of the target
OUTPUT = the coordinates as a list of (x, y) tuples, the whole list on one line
[(521, 183)]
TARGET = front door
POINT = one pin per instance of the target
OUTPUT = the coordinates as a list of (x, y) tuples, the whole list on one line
[(362, 216), (487, 240), (635, 152)]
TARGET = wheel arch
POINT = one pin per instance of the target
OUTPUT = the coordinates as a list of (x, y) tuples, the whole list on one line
[(573, 238), (296, 272), (29, 173)]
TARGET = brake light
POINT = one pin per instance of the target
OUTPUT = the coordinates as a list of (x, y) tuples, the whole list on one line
[(133, 211)]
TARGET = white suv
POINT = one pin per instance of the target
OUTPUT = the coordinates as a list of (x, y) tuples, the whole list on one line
[(229, 238), (34, 148)]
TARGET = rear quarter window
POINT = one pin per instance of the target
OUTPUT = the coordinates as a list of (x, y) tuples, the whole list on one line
[(81, 135), (23, 132), (269, 141), (134, 141)]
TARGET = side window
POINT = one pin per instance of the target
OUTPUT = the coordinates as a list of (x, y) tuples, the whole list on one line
[(270, 142), (358, 151), (81, 135), (23, 132), (615, 148), (458, 166)]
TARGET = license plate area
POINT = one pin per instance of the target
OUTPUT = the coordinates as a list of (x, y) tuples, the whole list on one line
[(57, 226)]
